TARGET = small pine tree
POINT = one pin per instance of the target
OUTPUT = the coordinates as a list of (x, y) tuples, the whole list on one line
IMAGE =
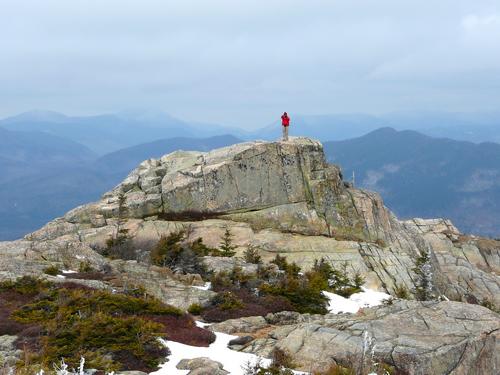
[(168, 249), (174, 252), (200, 248), (226, 246), (423, 270), (324, 268), (291, 269), (280, 261), (252, 255)]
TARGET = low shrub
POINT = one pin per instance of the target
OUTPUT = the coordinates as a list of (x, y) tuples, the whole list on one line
[(112, 331), (288, 290), (281, 364), (401, 291), (137, 291), (184, 330), (235, 278), (174, 252), (120, 247), (291, 269), (85, 267), (52, 270), (281, 358), (489, 305), (304, 297), (25, 285), (252, 255), (227, 301), (195, 309), (337, 280), (252, 305), (127, 334), (336, 370)]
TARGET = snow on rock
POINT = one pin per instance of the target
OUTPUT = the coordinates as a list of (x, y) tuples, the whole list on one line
[(218, 351), (68, 271), (232, 360), (207, 286), (366, 298)]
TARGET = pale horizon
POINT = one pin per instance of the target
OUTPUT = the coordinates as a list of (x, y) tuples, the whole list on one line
[(242, 63)]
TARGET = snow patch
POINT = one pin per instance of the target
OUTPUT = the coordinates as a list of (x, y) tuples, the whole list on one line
[(68, 271), (366, 298), (201, 324), (207, 286), (217, 351)]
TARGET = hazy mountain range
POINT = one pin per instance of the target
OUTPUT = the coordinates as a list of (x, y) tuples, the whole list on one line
[(110, 132), (51, 163), (31, 195), (421, 176)]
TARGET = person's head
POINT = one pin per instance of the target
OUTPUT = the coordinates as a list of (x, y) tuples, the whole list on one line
[(285, 114)]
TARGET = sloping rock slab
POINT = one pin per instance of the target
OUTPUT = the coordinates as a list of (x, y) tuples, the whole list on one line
[(415, 337)]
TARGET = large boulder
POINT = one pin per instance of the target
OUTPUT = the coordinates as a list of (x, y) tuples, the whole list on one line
[(286, 185), (466, 267), (202, 366), (280, 197), (414, 337), (9, 355)]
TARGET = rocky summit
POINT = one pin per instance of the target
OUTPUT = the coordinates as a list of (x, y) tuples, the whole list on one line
[(284, 198)]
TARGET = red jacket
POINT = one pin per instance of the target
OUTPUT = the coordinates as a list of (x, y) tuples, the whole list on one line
[(285, 120)]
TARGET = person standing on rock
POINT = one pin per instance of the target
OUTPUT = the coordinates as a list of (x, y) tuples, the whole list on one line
[(285, 123)]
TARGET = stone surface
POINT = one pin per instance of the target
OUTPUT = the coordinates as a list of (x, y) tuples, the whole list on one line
[(286, 185), (9, 355), (241, 340), (20, 258), (160, 283), (248, 324), (467, 267), (201, 366), (218, 264), (281, 197), (416, 338)]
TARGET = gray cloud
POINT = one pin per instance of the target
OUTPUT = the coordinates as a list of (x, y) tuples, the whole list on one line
[(241, 62)]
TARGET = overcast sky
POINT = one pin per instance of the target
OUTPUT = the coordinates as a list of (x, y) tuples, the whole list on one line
[(239, 62)]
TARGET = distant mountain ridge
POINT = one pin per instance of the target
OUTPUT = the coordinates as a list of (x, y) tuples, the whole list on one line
[(31, 193), (110, 132), (22, 153), (421, 176), (49, 163)]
